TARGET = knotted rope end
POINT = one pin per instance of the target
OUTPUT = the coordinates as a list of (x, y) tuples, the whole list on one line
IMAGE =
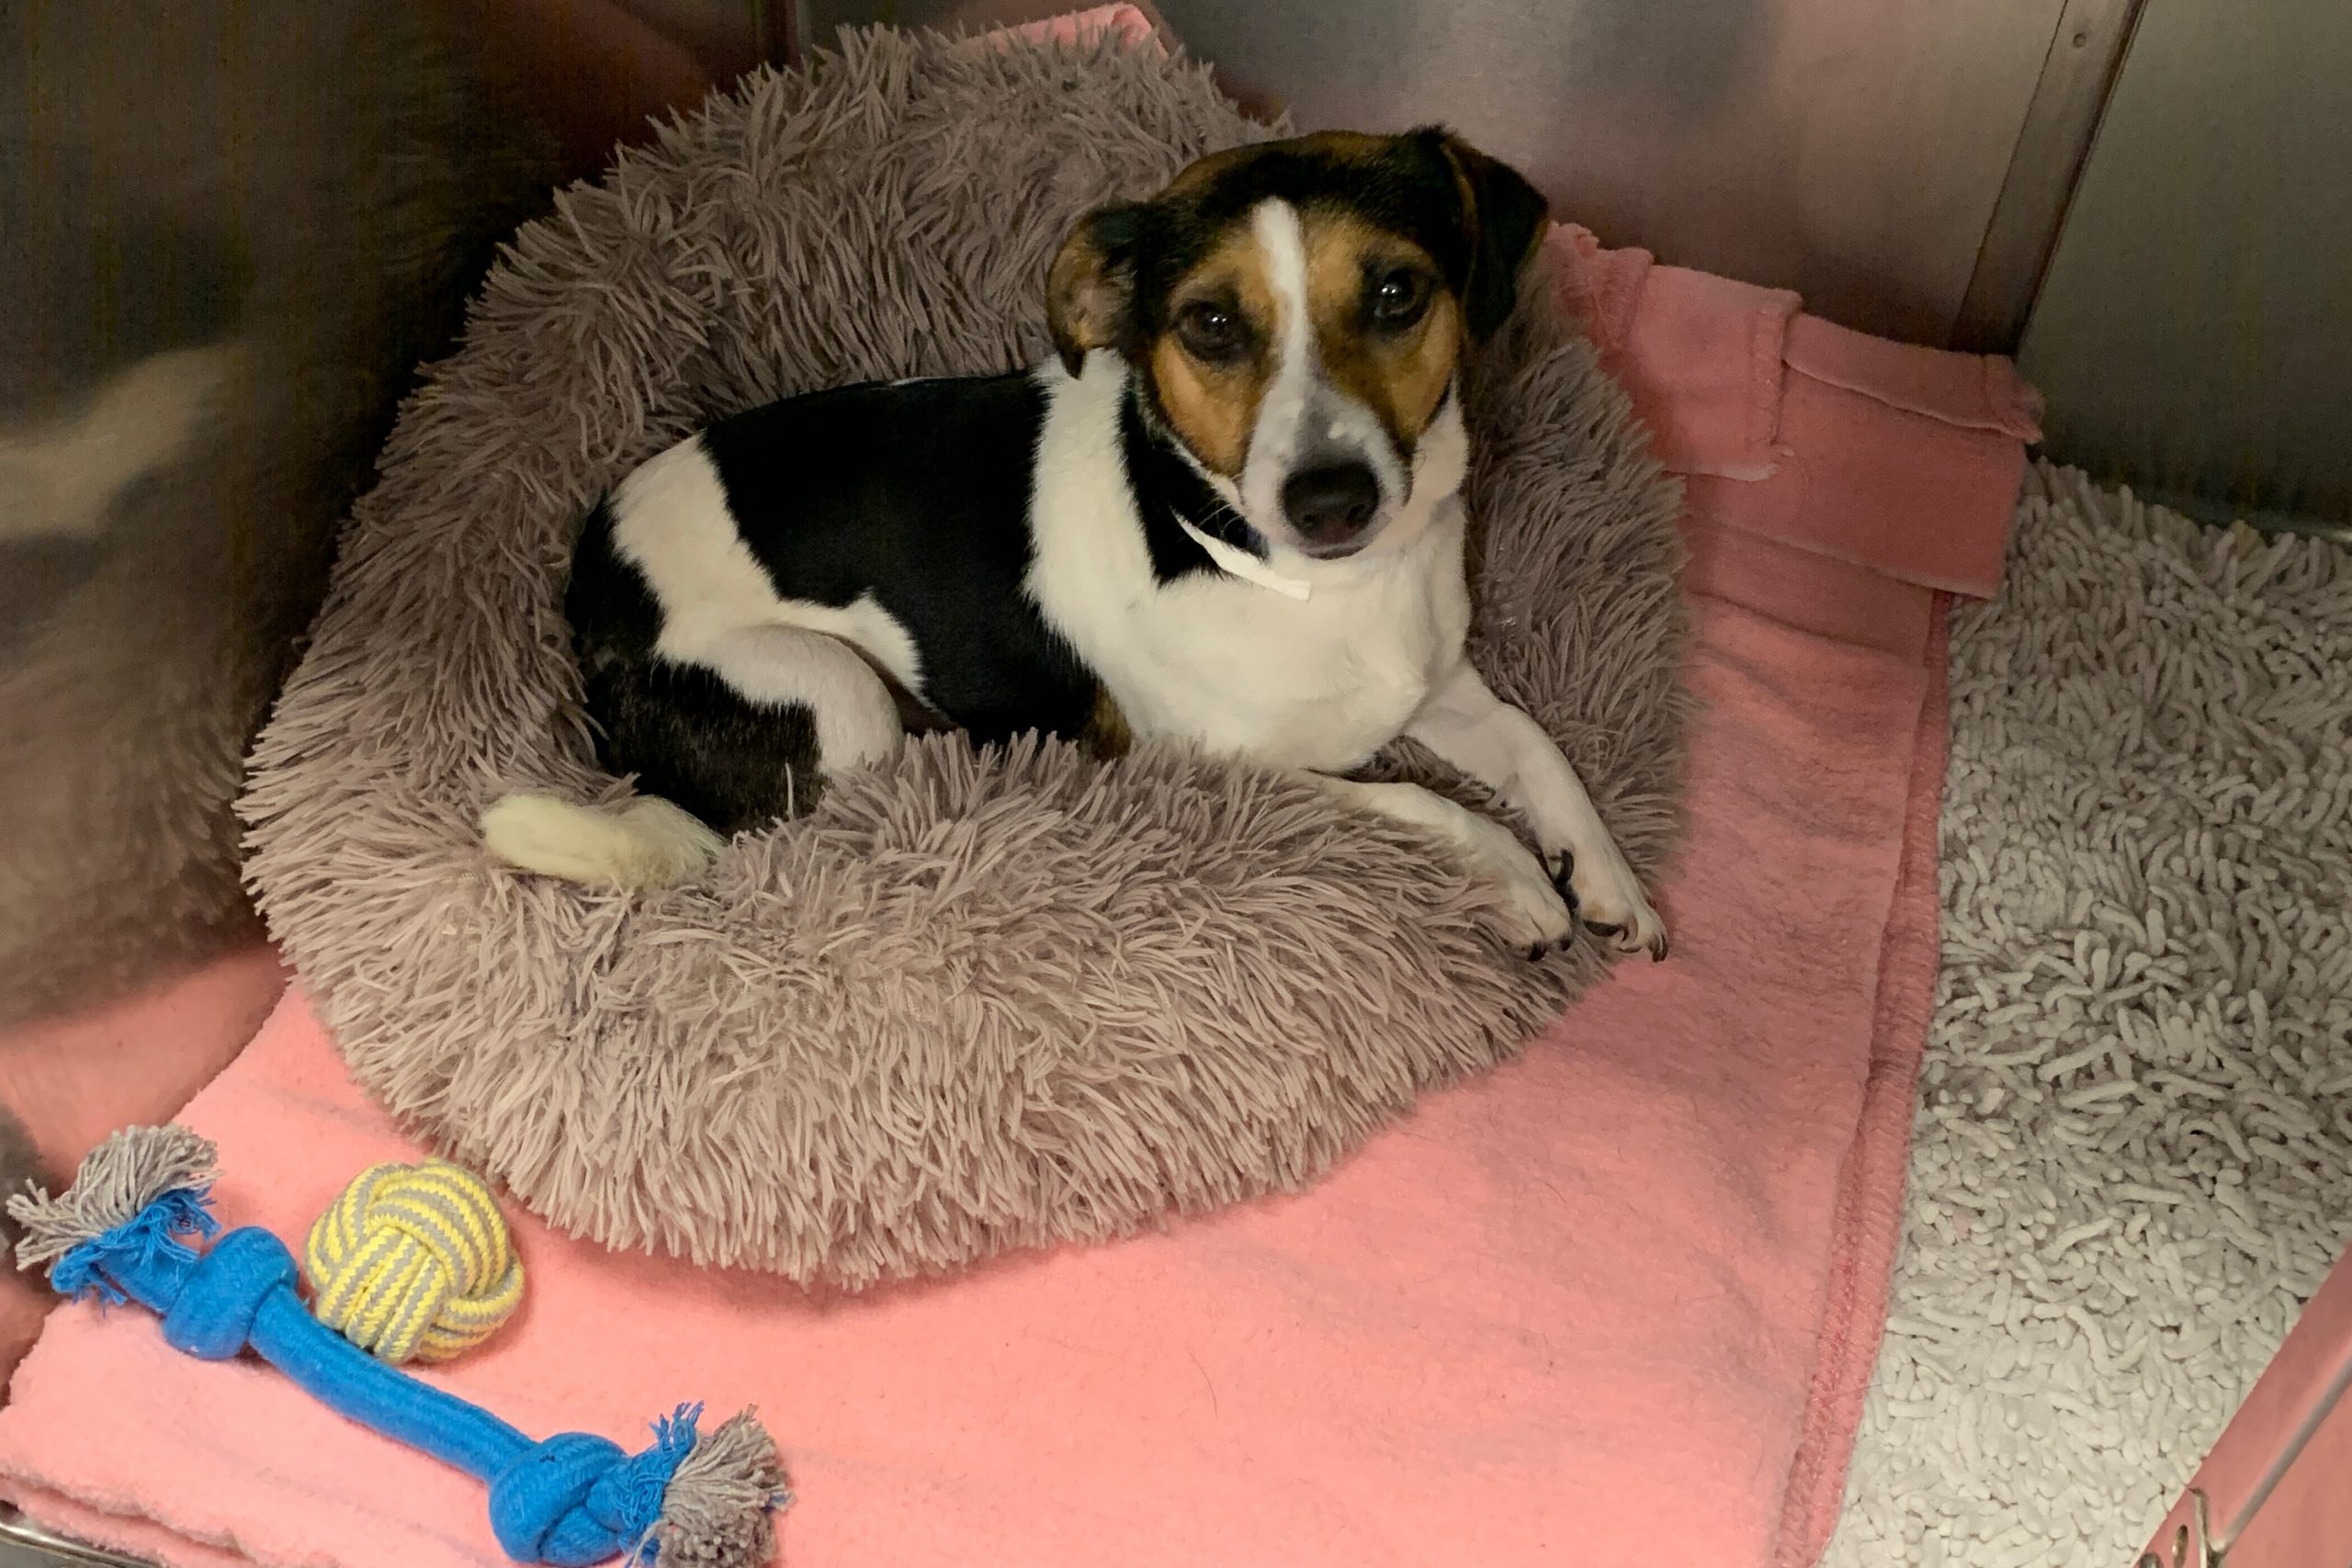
[(136, 1195), (717, 1510)]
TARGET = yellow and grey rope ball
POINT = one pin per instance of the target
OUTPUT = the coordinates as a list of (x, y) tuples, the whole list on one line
[(414, 1263)]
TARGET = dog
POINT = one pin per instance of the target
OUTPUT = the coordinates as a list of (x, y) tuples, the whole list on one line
[(1228, 511)]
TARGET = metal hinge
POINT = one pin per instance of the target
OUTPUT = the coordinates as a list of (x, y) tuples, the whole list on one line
[(2191, 1545)]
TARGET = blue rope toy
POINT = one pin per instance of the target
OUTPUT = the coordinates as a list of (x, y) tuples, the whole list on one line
[(123, 1231)]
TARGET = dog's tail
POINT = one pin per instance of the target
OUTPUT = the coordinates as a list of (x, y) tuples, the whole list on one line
[(643, 843)]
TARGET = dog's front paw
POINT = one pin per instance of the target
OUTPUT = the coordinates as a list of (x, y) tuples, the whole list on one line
[(1535, 915), (1603, 893)]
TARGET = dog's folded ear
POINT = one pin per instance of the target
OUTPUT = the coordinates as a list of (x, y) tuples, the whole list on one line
[(1090, 289), (1506, 217)]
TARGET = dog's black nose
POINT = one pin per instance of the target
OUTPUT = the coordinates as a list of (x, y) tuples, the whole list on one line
[(1331, 505)]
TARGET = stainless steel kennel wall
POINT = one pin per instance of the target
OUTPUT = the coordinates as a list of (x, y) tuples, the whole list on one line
[(1903, 164), (2194, 331)]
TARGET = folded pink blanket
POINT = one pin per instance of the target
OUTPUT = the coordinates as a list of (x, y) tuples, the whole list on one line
[(70, 1081), (1614, 1302)]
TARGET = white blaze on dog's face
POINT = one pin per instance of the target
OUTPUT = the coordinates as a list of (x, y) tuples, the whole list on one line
[(1294, 316)]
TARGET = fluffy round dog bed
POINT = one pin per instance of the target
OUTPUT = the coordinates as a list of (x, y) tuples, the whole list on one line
[(975, 1001)]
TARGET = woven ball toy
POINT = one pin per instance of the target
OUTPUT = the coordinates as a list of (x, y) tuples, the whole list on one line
[(414, 1263)]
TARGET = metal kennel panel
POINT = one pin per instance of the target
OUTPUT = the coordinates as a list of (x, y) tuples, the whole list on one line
[(1855, 150)]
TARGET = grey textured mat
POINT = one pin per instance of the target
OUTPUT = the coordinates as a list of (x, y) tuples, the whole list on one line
[(2134, 1153)]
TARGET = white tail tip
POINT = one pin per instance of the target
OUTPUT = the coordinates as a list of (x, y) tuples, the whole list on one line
[(646, 843)]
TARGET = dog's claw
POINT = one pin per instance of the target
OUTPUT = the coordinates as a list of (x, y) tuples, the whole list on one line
[(1562, 865), (1642, 932)]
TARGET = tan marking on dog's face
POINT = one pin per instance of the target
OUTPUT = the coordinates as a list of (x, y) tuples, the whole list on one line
[(1395, 374), (1212, 400), (1401, 373), (1400, 370)]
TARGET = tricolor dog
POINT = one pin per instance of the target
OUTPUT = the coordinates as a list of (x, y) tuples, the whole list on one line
[(1228, 511)]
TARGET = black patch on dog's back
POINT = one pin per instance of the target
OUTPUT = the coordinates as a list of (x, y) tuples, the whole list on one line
[(917, 493)]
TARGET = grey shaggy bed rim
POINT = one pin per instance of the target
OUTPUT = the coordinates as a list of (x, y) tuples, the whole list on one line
[(976, 1000)]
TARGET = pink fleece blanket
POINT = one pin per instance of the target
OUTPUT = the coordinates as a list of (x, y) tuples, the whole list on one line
[(1614, 1304)]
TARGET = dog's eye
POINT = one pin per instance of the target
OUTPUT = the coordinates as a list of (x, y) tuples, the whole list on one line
[(1398, 298), (1210, 332)]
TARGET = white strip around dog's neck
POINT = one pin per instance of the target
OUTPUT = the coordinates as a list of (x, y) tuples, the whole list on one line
[(1245, 566)]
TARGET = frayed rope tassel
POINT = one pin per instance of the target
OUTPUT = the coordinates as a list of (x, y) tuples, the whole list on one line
[(126, 1231)]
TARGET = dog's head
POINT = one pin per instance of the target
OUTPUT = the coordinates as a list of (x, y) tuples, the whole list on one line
[(1293, 315)]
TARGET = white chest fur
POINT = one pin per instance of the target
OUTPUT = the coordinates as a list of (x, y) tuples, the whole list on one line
[(1233, 666)]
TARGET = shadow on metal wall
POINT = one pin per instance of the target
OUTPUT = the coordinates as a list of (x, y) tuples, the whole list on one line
[(232, 231)]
